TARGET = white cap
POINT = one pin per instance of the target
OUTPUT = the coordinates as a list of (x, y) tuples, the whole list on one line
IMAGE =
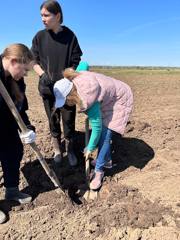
[(61, 89)]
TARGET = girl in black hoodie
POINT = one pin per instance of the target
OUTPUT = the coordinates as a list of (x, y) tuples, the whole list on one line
[(15, 62)]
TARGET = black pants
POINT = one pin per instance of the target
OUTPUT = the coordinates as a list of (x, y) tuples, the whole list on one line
[(11, 153), (68, 115)]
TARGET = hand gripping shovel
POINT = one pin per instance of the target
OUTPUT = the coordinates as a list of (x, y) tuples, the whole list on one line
[(51, 174)]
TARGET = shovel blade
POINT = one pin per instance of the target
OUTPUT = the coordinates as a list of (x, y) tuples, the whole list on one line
[(92, 195), (89, 195)]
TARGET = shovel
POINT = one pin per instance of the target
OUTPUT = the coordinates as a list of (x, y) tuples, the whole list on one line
[(89, 194), (87, 160), (51, 174)]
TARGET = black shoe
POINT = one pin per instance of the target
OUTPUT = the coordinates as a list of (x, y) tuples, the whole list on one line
[(15, 195)]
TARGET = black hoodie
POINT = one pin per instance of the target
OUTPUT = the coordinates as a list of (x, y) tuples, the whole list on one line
[(8, 125)]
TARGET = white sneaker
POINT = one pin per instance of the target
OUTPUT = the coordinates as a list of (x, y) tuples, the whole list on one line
[(15, 195), (97, 180), (2, 217)]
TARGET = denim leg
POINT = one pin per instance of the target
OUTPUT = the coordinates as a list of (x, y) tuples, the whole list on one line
[(104, 149), (101, 142)]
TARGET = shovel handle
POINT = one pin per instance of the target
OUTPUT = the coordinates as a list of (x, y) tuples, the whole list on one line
[(86, 143), (86, 131)]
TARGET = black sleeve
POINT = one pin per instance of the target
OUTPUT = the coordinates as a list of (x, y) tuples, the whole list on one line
[(1, 101), (24, 105), (35, 50), (23, 113), (76, 53)]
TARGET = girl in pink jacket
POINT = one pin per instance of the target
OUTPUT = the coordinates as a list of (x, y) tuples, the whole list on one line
[(107, 102)]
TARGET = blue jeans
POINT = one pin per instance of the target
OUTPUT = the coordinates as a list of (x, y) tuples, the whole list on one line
[(104, 149)]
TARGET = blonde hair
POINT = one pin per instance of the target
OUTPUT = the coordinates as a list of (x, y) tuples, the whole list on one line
[(23, 55), (70, 73), (73, 96), (18, 51)]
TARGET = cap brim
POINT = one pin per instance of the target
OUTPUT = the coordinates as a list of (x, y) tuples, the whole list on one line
[(60, 103)]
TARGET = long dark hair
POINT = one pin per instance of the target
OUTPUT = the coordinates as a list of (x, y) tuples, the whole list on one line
[(23, 55), (53, 7), (18, 51)]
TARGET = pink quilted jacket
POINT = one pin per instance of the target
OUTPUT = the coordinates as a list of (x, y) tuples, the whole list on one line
[(116, 98)]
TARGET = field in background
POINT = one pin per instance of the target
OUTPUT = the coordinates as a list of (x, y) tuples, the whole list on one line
[(115, 71), (140, 198)]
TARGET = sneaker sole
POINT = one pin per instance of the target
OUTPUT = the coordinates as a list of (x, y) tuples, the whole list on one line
[(3, 218), (21, 201)]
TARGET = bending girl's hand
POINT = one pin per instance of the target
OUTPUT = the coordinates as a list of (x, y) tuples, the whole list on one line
[(87, 153)]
